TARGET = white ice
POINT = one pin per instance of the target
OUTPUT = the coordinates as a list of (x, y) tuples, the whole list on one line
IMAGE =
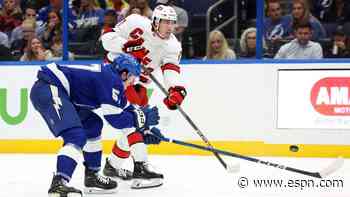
[(26, 175)]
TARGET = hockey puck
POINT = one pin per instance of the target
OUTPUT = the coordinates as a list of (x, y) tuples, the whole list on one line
[(294, 148)]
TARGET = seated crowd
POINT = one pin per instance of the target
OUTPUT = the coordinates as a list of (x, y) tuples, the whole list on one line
[(32, 30), (312, 29)]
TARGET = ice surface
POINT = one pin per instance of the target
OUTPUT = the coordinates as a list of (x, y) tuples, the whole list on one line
[(24, 175)]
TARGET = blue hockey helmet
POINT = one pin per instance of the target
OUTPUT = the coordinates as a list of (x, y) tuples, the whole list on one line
[(127, 62)]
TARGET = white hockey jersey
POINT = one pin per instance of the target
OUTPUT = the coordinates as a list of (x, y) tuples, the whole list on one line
[(163, 53)]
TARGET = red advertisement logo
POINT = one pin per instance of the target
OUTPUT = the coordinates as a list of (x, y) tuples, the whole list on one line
[(330, 96)]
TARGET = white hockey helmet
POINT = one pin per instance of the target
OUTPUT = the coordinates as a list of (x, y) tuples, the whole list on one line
[(163, 12)]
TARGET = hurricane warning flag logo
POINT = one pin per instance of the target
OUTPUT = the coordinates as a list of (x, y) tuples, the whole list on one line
[(330, 96)]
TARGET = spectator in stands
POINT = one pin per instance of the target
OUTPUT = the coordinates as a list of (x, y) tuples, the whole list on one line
[(110, 20), (134, 10), (88, 24), (35, 51), (127, 10), (28, 28), (336, 11), (116, 5), (37, 4), (248, 43), (4, 40), (100, 3), (275, 25), (182, 17), (89, 15), (57, 49), (143, 5), (301, 14), (10, 16), (55, 5), (217, 47), (120, 7), (340, 46), (301, 47), (30, 13), (75, 6), (53, 27), (5, 54)]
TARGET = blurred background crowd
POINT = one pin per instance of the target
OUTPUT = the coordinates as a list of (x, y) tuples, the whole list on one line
[(307, 29), (212, 29)]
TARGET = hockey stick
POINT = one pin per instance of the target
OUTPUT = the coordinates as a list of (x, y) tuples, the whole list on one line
[(189, 120), (322, 174)]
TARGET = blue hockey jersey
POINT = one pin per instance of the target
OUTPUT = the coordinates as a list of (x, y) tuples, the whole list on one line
[(276, 29), (91, 87)]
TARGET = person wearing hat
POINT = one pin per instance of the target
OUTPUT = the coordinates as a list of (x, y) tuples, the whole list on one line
[(182, 17)]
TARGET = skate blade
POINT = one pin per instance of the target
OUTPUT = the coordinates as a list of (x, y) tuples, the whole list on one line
[(117, 178), (146, 183), (68, 195), (95, 190)]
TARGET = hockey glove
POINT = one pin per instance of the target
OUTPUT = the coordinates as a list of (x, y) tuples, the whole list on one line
[(135, 48), (153, 136), (175, 97), (145, 117), (137, 94)]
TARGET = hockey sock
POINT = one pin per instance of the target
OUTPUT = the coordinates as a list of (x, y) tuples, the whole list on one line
[(92, 153), (137, 148), (68, 156), (67, 159), (120, 152)]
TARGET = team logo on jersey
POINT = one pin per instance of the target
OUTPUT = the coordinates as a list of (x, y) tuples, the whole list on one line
[(139, 52), (136, 33), (331, 96), (277, 31)]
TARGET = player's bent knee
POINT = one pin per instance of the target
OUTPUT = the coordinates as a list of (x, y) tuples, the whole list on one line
[(93, 126), (75, 136)]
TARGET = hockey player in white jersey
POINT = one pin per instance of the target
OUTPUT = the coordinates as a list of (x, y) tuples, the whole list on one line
[(153, 43)]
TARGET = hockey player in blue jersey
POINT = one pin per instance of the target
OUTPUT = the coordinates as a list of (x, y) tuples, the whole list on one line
[(65, 97)]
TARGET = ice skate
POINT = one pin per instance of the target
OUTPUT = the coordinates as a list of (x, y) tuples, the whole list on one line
[(59, 188), (120, 173), (98, 184), (143, 177)]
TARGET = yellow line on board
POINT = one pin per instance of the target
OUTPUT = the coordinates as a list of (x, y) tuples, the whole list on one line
[(242, 147)]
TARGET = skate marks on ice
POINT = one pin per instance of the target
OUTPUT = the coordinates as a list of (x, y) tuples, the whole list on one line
[(30, 175)]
